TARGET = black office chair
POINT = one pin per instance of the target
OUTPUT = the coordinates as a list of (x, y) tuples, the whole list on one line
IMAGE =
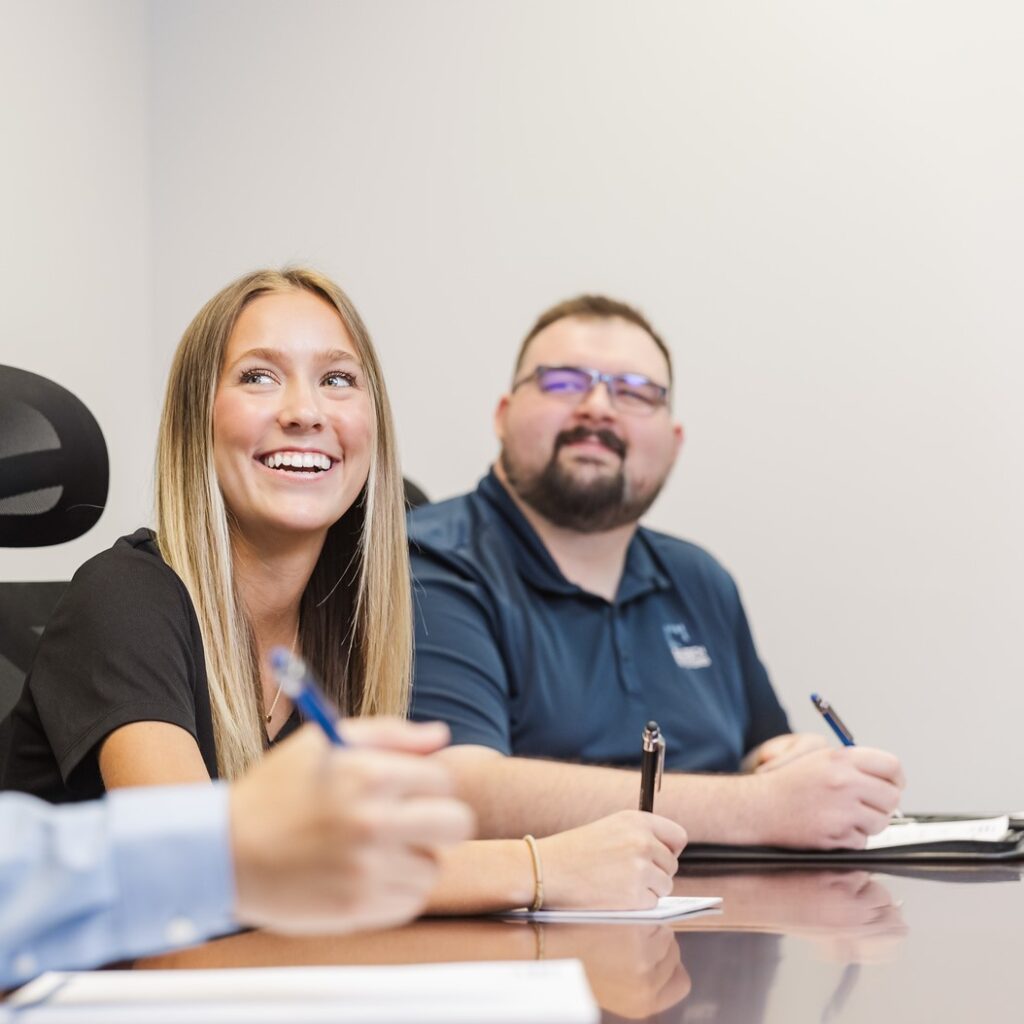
[(54, 474), (53, 463), (414, 496)]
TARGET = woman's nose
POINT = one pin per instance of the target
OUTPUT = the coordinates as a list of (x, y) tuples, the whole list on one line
[(300, 408)]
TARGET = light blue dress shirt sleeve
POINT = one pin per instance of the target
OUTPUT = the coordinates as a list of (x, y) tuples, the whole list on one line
[(143, 870)]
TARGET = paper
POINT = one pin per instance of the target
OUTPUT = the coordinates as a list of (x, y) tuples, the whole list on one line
[(668, 906), (542, 992), (991, 830)]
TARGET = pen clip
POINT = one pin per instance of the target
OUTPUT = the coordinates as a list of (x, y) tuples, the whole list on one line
[(661, 763)]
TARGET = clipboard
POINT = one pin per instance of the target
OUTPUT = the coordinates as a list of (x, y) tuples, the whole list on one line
[(1010, 847)]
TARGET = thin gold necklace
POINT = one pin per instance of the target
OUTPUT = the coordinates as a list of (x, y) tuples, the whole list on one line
[(277, 696)]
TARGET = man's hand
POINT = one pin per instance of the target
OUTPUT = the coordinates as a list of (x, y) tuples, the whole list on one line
[(780, 750), (827, 799), (333, 840)]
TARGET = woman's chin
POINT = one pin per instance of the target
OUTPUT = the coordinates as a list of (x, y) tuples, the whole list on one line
[(289, 528)]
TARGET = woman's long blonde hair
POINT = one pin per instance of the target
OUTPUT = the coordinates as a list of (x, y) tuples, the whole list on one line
[(355, 615)]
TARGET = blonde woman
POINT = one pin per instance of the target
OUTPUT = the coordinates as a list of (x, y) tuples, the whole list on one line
[(280, 522)]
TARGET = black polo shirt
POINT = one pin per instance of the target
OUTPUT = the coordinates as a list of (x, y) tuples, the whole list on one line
[(515, 657)]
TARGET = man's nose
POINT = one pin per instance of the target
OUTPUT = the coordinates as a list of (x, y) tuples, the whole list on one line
[(597, 402)]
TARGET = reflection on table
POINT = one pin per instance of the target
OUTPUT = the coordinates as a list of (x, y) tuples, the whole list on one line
[(788, 945)]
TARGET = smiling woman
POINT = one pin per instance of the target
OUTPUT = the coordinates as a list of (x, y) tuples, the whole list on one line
[(280, 521), (284, 368)]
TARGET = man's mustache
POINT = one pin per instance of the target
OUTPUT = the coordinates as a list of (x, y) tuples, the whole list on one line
[(611, 441)]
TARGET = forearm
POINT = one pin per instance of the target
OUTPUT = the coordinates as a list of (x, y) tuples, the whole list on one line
[(101, 881), (512, 796), (483, 877)]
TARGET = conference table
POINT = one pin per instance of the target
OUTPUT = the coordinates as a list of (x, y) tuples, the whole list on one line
[(826, 944)]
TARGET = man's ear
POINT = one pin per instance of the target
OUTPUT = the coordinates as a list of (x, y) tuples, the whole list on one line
[(499, 417), (680, 436)]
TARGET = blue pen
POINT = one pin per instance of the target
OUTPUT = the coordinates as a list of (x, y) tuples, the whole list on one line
[(835, 722), (845, 736), (298, 684)]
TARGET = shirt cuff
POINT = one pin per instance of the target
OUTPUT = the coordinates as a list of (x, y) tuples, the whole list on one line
[(172, 852)]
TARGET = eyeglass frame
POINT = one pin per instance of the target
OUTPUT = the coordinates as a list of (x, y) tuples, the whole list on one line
[(609, 380)]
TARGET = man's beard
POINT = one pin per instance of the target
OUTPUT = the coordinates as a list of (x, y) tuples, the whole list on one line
[(591, 506)]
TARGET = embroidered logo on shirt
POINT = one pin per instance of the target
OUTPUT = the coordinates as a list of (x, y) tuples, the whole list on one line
[(686, 655)]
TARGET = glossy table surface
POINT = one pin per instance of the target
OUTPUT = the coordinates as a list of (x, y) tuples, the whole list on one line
[(790, 945)]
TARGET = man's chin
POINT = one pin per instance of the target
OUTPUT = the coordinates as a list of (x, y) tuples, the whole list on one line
[(584, 495), (587, 502), (588, 464)]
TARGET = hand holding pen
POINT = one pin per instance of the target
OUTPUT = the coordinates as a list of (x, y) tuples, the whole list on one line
[(329, 839), (837, 725)]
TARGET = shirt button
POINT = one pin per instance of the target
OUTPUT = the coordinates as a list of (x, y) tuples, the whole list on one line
[(25, 965), (180, 931)]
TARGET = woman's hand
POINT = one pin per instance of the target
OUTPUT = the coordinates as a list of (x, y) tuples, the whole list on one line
[(634, 969), (625, 861), (334, 840)]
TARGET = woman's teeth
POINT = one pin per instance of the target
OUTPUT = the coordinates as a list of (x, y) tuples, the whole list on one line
[(297, 461)]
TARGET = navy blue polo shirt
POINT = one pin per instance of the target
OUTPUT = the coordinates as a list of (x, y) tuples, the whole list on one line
[(515, 657)]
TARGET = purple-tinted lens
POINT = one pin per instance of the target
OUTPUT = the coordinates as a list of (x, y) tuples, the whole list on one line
[(563, 380), (634, 390)]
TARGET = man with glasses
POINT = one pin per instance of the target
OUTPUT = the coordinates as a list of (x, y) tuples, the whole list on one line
[(551, 626)]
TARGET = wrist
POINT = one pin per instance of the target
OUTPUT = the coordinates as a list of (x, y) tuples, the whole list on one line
[(729, 809), (522, 879), (538, 873)]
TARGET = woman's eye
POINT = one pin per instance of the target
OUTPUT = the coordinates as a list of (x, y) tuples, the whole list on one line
[(256, 377), (339, 379)]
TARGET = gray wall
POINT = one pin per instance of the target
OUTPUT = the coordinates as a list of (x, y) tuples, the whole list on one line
[(75, 237), (818, 203)]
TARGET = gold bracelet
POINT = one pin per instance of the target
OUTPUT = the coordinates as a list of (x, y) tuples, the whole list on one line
[(538, 873), (538, 936)]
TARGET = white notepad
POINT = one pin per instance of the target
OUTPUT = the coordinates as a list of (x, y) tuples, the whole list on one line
[(496, 992), (910, 832), (668, 906)]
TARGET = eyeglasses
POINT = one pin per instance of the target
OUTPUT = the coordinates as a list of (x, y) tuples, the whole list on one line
[(630, 393)]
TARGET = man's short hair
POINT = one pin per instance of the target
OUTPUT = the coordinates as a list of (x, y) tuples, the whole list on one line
[(593, 307)]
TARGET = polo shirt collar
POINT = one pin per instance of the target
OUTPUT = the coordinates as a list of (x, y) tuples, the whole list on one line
[(641, 573)]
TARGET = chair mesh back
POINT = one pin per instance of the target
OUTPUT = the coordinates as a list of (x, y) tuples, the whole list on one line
[(25, 609)]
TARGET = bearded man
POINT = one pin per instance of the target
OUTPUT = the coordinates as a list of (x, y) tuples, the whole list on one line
[(551, 626)]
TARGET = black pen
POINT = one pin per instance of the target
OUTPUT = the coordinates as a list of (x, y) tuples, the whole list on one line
[(652, 765)]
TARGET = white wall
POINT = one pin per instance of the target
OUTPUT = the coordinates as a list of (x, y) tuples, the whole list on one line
[(818, 203), (75, 248)]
